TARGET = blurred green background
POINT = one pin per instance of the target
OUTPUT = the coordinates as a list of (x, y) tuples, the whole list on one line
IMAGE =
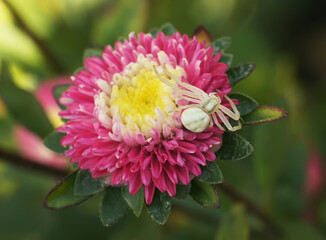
[(286, 40)]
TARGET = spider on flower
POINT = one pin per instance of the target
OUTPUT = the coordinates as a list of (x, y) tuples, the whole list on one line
[(204, 110)]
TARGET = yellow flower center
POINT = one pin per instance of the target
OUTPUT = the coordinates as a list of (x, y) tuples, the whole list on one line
[(140, 100), (139, 96)]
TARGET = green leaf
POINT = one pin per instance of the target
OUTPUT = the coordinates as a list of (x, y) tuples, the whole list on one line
[(85, 185), (182, 191), (92, 52), (77, 70), (234, 225), (240, 72), (52, 142), (204, 194), (234, 147), (264, 114), (113, 207), (23, 106), (226, 58), (136, 201), (121, 39), (57, 92), (221, 44), (168, 29), (160, 207), (211, 173), (62, 195), (246, 104), (302, 230), (154, 32), (127, 16)]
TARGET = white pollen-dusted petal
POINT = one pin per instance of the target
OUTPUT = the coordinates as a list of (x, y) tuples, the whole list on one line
[(64, 100), (104, 86), (162, 57), (105, 119), (116, 77)]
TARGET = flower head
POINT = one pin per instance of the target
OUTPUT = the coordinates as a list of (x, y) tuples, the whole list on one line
[(124, 112)]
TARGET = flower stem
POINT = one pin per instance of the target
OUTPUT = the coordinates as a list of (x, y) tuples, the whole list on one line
[(252, 207), (41, 45), (13, 158)]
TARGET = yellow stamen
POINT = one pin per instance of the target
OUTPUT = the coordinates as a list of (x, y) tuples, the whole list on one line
[(140, 99)]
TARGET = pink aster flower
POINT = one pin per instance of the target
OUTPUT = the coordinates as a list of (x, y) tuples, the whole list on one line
[(124, 112)]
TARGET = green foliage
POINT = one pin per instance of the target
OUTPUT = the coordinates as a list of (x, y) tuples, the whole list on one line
[(113, 206), (136, 201), (221, 44), (167, 29), (160, 207), (301, 230), (62, 195), (119, 18), (234, 225), (234, 147), (237, 73), (246, 104), (204, 194), (52, 142), (227, 59), (182, 191), (22, 105), (57, 92), (211, 173), (85, 185), (264, 114), (92, 52), (76, 71)]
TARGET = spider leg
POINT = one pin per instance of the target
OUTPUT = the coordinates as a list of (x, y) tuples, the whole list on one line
[(235, 128), (185, 85), (216, 122), (228, 112), (189, 99), (180, 108), (211, 123), (164, 80), (175, 88), (224, 119), (236, 114), (227, 123)]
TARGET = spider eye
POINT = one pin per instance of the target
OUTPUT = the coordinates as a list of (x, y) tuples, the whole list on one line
[(195, 119)]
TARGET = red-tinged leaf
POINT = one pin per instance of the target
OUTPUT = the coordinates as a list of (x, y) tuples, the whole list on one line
[(202, 35), (264, 114), (62, 195)]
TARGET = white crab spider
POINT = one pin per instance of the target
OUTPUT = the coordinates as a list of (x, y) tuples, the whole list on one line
[(202, 112)]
